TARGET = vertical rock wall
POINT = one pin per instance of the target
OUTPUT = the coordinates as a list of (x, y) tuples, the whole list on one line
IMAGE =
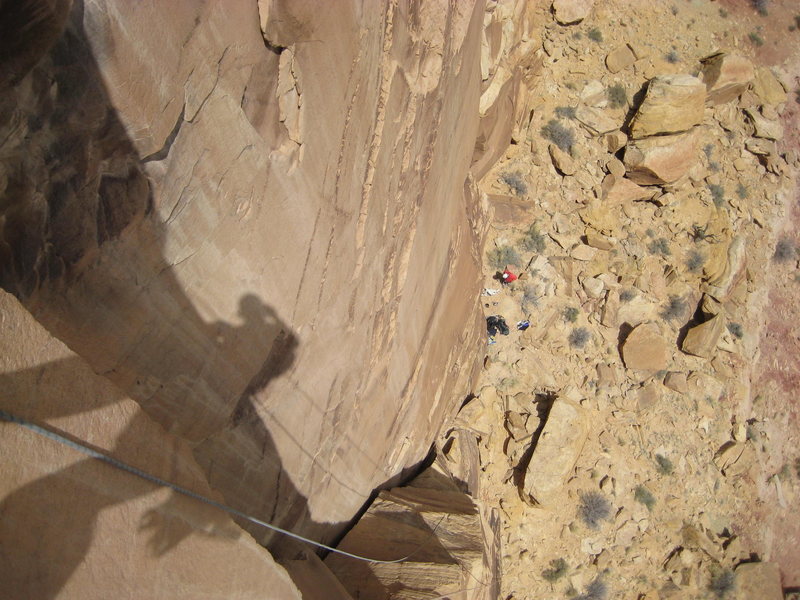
[(267, 236)]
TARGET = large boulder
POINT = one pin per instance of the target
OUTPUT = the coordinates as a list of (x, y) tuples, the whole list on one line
[(672, 103), (645, 349), (568, 12), (661, 159), (556, 451), (726, 76), (758, 581)]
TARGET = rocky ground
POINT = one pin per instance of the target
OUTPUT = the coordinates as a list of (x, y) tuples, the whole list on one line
[(640, 437)]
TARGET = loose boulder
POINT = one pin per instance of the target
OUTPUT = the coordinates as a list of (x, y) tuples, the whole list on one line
[(556, 451), (726, 76), (672, 103), (767, 87), (645, 349), (568, 12), (621, 58), (701, 340), (662, 159)]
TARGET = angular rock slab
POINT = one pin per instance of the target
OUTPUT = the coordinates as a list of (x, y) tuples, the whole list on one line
[(673, 103), (758, 581), (662, 159), (618, 190), (726, 76), (568, 12), (620, 58), (702, 339), (767, 87), (557, 451), (645, 349)]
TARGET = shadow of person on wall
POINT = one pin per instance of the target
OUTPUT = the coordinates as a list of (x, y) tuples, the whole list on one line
[(82, 248)]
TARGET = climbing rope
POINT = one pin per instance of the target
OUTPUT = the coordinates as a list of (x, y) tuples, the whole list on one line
[(80, 447)]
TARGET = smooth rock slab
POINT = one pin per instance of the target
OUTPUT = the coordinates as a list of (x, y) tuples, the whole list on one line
[(645, 349), (557, 450), (673, 103), (702, 339), (662, 159), (726, 76), (758, 581), (568, 12)]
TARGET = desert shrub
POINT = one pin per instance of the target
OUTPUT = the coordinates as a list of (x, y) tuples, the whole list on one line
[(762, 6), (643, 496), (578, 337), (784, 250), (708, 150), (674, 309), (664, 465), (617, 96), (571, 314), (515, 182), (722, 583), (533, 240), (713, 166), (650, 233), (701, 234), (558, 568), (627, 295), (717, 194), (593, 508), (595, 35), (755, 39), (565, 112), (672, 57), (695, 261), (736, 330), (659, 246), (741, 192), (558, 134), (501, 256), (596, 590)]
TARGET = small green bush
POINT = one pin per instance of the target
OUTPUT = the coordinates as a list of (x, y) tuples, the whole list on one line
[(722, 583), (762, 6), (596, 590), (672, 57), (723, 13), (558, 568), (617, 96), (659, 246), (533, 240), (565, 112), (717, 194), (593, 508), (558, 134), (695, 261), (627, 295), (756, 39), (578, 337), (501, 256), (664, 465), (571, 314), (674, 309), (643, 496), (515, 182), (736, 330), (595, 35), (784, 251), (708, 150), (741, 192)]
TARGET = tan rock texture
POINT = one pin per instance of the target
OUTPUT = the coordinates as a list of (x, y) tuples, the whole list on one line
[(671, 104), (75, 527), (571, 11), (268, 240), (726, 76), (661, 159), (645, 349), (760, 581)]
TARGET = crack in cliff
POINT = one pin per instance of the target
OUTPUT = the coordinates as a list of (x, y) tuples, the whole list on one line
[(167, 146)]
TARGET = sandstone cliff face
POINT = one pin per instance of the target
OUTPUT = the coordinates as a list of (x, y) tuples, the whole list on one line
[(269, 240)]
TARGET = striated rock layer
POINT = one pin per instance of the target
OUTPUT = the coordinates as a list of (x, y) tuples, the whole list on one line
[(266, 236)]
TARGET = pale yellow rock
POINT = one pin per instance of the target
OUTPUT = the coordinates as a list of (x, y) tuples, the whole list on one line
[(568, 12), (556, 452), (661, 159), (758, 581), (561, 160), (583, 252), (595, 120), (594, 287), (615, 140), (765, 128), (672, 103), (724, 279), (620, 190), (726, 76), (676, 381), (615, 167), (620, 58), (599, 241), (767, 87), (645, 349), (701, 340)]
